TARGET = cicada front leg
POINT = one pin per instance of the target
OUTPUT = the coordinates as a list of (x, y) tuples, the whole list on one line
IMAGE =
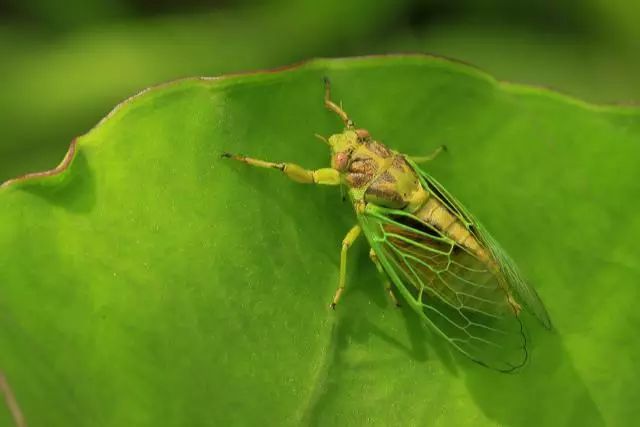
[(335, 107), (428, 158), (324, 176)]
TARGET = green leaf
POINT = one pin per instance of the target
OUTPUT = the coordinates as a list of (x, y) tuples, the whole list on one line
[(150, 282)]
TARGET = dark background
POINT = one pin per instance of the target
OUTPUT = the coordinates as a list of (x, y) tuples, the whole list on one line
[(63, 67)]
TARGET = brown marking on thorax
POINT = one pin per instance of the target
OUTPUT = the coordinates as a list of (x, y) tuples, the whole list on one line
[(436, 214), (367, 162), (378, 149), (382, 190), (385, 176)]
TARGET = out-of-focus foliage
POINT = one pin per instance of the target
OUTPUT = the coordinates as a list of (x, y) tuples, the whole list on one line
[(55, 87), (63, 67), (592, 70)]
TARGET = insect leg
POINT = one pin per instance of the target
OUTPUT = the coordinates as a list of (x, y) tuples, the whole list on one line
[(387, 284), (333, 106), (348, 240), (424, 159), (325, 176)]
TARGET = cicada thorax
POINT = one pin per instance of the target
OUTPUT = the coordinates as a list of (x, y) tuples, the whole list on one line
[(381, 176)]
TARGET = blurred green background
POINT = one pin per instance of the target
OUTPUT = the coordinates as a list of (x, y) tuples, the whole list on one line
[(62, 68)]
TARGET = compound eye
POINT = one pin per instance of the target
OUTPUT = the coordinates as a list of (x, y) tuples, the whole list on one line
[(363, 134), (341, 161)]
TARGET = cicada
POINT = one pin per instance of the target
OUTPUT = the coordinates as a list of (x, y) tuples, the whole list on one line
[(439, 258)]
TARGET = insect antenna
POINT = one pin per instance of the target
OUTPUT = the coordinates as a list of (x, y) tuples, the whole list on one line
[(321, 138)]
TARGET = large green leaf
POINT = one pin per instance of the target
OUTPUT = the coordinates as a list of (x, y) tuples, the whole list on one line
[(150, 282)]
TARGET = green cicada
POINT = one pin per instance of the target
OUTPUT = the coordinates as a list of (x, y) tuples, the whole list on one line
[(440, 258)]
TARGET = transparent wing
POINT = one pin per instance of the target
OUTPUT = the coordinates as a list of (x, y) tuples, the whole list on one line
[(450, 288), (513, 279)]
